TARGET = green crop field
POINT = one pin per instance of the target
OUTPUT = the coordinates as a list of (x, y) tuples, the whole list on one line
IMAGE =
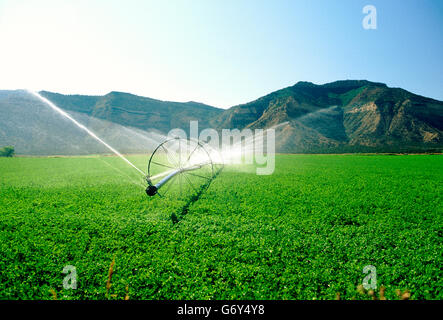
[(305, 232)]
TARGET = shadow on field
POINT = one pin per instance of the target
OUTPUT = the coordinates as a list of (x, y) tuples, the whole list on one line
[(177, 217)]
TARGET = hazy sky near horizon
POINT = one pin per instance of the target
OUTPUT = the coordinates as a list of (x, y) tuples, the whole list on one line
[(219, 52)]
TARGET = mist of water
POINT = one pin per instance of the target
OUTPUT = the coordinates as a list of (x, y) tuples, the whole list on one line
[(319, 113), (88, 131), (246, 147)]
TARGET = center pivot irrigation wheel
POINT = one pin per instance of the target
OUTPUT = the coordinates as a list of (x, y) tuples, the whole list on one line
[(180, 168)]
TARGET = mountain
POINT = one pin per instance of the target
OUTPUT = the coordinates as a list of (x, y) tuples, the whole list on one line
[(135, 111), (342, 116), (33, 128)]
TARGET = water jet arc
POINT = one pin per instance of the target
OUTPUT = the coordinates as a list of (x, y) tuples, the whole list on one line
[(81, 126)]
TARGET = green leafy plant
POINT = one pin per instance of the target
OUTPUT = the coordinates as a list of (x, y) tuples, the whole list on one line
[(7, 151), (305, 232)]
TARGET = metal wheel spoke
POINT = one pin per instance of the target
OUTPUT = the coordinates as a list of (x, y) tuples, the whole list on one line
[(189, 157), (192, 166), (170, 153), (179, 153), (163, 165), (197, 175), (181, 188), (169, 186), (189, 181)]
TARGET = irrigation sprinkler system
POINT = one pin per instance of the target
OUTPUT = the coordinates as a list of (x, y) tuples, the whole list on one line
[(190, 163)]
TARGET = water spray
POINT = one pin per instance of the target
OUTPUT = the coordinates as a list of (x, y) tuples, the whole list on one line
[(81, 126), (189, 162)]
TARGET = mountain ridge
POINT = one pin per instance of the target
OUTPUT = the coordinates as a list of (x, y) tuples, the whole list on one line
[(372, 116), (136, 111), (340, 116)]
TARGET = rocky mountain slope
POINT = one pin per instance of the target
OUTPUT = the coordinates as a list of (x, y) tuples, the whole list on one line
[(33, 128), (135, 111), (342, 116)]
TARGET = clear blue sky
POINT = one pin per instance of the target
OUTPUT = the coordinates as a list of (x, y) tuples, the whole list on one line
[(221, 53)]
